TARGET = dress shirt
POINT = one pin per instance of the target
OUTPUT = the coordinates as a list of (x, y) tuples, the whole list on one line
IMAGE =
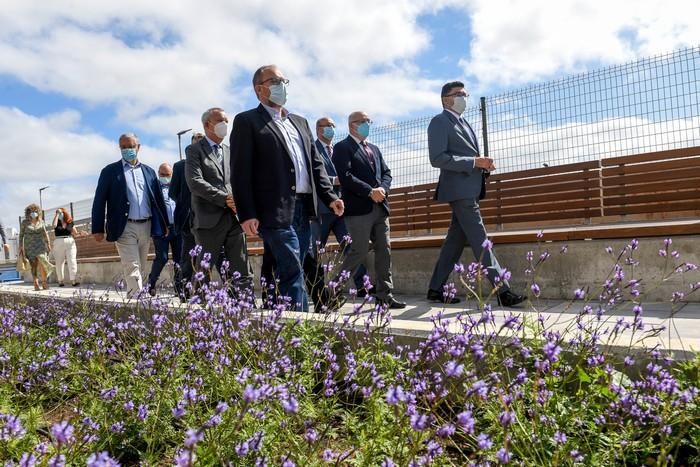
[(295, 145), (218, 153), (169, 203), (139, 202)]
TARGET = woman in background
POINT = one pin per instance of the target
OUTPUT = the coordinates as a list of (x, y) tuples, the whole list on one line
[(34, 244), (64, 249)]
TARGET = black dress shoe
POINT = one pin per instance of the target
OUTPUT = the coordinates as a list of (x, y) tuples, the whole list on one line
[(509, 299), (152, 291), (392, 303), (435, 296), (362, 293)]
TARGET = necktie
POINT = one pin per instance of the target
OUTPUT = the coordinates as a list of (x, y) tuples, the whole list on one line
[(329, 151), (370, 155), (219, 155)]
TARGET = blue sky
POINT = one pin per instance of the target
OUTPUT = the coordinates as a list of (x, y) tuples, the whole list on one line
[(74, 74)]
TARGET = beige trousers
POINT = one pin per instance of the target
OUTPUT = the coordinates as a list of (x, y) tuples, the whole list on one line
[(132, 247), (65, 252)]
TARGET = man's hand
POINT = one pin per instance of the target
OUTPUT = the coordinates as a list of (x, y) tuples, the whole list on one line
[(336, 181), (250, 227), (6, 247), (485, 163), (378, 194), (230, 203), (338, 207), (98, 237)]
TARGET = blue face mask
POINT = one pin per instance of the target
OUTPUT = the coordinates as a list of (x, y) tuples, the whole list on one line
[(128, 154), (34, 214), (60, 216), (328, 132), (164, 180), (363, 129)]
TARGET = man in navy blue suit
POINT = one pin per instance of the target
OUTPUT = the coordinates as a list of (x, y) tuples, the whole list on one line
[(135, 210), (366, 180), (326, 221)]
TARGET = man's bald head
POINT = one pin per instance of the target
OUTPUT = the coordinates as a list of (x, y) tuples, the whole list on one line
[(165, 170)]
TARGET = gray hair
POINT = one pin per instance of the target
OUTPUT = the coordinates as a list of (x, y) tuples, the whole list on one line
[(207, 113), (129, 135)]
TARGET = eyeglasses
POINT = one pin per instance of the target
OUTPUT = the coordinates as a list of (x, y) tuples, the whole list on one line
[(462, 94), (275, 81), (364, 120)]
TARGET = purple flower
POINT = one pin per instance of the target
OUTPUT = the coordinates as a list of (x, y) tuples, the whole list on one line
[(142, 412), (192, 437), (487, 245), (242, 449), (101, 459), (445, 431), (559, 437), (551, 350), (466, 421), (290, 405), (387, 463), (199, 276), (10, 427), (579, 293), (503, 456), (454, 369), (28, 460), (311, 435), (576, 456), (483, 441), (57, 461), (250, 394), (394, 395), (540, 234), (419, 422), (287, 462), (535, 289), (62, 432), (507, 417)]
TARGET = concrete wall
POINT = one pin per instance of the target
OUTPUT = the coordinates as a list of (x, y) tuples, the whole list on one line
[(585, 263)]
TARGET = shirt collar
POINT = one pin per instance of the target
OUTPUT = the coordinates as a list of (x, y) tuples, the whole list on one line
[(276, 113), (126, 165), (457, 116), (357, 140), (213, 143)]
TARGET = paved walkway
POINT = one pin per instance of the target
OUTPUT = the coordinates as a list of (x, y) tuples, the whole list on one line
[(682, 334)]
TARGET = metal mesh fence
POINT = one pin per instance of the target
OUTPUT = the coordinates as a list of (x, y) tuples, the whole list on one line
[(649, 105)]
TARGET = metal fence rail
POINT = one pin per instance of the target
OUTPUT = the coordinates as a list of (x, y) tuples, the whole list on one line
[(652, 104)]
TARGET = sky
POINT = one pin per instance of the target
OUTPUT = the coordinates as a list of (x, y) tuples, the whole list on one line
[(75, 74)]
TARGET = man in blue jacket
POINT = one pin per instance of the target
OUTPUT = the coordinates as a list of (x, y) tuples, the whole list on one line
[(130, 195)]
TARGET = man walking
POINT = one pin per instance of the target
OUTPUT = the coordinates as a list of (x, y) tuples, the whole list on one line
[(215, 224), (276, 175), (366, 180), (453, 148), (135, 210), (173, 240)]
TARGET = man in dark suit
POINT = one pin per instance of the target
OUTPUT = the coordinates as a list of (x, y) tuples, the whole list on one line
[(453, 148), (366, 180), (135, 210), (214, 219), (276, 175), (326, 221), (180, 192)]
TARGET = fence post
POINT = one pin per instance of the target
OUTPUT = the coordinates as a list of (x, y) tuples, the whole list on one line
[(71, 210), (484, 129)]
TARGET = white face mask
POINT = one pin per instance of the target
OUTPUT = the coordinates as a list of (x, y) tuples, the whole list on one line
[(220, 129), (459, 104), (278, 94)]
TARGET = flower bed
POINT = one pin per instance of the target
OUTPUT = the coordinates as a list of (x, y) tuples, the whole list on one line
[(221, 383)]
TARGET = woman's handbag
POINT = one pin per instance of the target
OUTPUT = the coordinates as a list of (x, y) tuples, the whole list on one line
[(22, 263)]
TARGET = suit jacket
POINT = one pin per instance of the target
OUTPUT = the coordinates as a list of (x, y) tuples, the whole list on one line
[(111, 192), (330, 170), (452, 148), (209, 181), (357, 177), (180, 192), (264, 179)]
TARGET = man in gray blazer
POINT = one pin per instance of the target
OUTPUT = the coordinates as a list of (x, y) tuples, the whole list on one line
[(214, 221), (454, 149)]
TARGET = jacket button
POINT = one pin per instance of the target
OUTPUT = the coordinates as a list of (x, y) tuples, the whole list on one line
[(292, 170), (126, 214), (127, 203), (294, 187)]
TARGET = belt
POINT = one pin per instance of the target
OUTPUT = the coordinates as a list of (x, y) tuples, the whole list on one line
[(139, 221), (63, 236), (302, 195)]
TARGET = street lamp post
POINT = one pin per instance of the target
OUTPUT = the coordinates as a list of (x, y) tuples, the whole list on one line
[(41, 204), (179, 144)]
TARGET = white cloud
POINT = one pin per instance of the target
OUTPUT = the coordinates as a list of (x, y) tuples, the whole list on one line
[(51, 150), (536, 40)]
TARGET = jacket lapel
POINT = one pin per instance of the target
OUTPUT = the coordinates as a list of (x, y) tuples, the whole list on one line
[(468, 138), (272, 126), (365, 158), (209, 151)]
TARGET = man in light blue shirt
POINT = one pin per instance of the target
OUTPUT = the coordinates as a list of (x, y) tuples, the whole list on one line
[(174, 238)]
